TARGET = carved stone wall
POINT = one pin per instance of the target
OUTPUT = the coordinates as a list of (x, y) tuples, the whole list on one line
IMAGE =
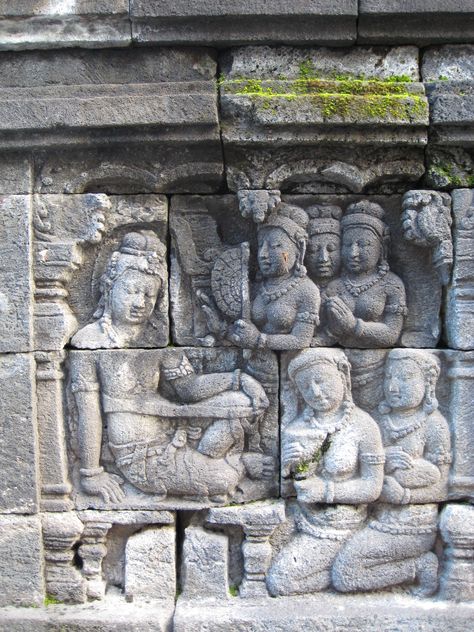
[(237, 300)]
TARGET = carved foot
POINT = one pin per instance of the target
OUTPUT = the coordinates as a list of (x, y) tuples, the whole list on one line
[(426, 572)]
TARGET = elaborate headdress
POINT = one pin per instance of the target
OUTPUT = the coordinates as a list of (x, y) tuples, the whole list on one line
[(317, 356), (324, 219)]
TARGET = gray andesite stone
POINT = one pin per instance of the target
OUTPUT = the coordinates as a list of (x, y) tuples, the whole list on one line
[(27, 24), (419, 22), (460, 297), (453, 62), (228, 22), (16, 280), (457, 529), (325, 613), (21, 565), (18, 439), (146, 104), (150, 560), (204, 570)]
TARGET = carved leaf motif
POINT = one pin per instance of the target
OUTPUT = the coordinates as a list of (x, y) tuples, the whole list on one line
[(229, 282)]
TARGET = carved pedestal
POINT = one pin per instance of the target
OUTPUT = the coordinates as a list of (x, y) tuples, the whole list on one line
[(92, 552), (258, 521), (457, 529), (64, 582)]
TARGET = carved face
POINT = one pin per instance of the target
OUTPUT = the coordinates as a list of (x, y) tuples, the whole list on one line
[(361, 250), (277, 254), (322, 387), (404, 384), (133, 297), (323, 256)]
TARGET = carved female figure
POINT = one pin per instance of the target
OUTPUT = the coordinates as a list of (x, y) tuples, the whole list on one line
[(133, 282), (366, 306), (285, 302), (395, 547), (334, 452), (323, 255)]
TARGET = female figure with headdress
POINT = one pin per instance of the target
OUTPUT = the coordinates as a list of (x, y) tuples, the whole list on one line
[(396, 547), (285, 302), (365, 308), (133, 282), (333, 451)]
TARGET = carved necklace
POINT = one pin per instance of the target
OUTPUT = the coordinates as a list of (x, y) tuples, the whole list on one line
[(271, 296), (355, 290), (399, 433), (333, 426)]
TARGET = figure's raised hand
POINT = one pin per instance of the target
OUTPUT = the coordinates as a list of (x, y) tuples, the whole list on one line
[(244, 334), (341, 319), (106, 486), (397, 459), (258, 465), (254, 392), (214, 319)]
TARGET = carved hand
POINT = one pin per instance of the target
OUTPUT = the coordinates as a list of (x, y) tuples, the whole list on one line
[(244, 334), (255, 392), (292, 452), (310, 490), (341, 319), (258, 465), (213, 318), (392, 491), (397, 459), (107, 486)]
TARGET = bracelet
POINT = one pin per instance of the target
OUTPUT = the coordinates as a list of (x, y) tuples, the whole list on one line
[(329, 492), (90, 472), (261, 341), (236, 380)]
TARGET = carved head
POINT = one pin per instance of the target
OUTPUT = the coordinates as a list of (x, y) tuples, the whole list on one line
[(365, 237), (322, 376), (282, 242), (410, 381), (323, 255), (133, 280)]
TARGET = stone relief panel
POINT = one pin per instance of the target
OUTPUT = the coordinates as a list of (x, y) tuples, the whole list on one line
[(309, 270), (174, 428), (100, 271), (367, 482)]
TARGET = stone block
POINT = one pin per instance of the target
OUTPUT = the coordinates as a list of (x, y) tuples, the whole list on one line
[(204, 570), (324, 612), (84, 23), (140, 106), (212, 243), (18, 439), (16, 174), (418, 22), (243, 22), (172, 428), (312, 100), (448, 63), (88, 250), (460, 297), (16, 296), (150, 565), (457, 529), (21, 567)]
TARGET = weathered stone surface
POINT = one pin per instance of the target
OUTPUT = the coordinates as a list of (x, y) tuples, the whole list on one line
[(448, 63), (21, 566), (18, 440), (319, 169), (184, 428), (457, 529), (207, 235), (93, 246), (106, 616), (142, 106), (243, 22), (204, 570), (87, 23), (460, 298), (16, 174), (415, 22), (312, 101), (16, 278), (150, 565), (325, 612), (451, 104)]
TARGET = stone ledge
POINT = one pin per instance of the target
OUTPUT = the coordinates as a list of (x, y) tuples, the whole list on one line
[(244, 22), (34, 24), (419, 22), (325, 613)]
